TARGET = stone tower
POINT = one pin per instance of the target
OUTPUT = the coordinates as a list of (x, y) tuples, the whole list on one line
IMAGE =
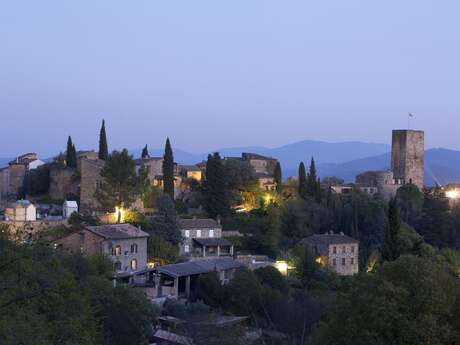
[(408, 157)]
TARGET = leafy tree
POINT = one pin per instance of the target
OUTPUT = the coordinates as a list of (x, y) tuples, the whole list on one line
[(162, 251), (103, 147), (37, 181), (164, 223), (436, 221), (410, 201), (168, 170), (303, 187), (305, 263), (333, 181), (278, 177), (71, 154), (210, 290), (390, 250), (271, 277), (241, 183), (120, 183), (215, 193), (408, 301), (145, 152)]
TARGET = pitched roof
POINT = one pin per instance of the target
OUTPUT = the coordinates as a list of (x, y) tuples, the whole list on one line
[(197, 223), (328, 239), (212, 241), (189, 168), (199, 267), (117, 231), (172, 338)]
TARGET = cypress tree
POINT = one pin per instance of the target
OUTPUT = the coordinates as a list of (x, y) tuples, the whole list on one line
[(71, 154), (168, 170), (390, 250), (302, 181), (103, 148), (278, 177), (145, 152), (216, 196), (312, 180)]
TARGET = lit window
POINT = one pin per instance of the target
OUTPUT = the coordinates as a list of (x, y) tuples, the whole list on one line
[(134, 248), (133, 264), (198, 233), (187, 233), (116, 251), (211, 233), (187, 248)]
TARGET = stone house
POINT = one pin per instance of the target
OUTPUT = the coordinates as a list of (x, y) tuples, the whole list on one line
[(203, 238), (124, 244), (21, 211), (68, 208), (190, 172), (266, 181), (337, 252), (12, 176), (261, 164)]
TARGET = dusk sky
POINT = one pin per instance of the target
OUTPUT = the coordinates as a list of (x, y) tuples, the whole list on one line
[(214, 74)]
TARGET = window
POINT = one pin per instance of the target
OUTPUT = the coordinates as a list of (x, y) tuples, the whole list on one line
[(352, 261), (187, 248), (352, 249), (334, 262), (133, 264), (344, 249), (133, 248), (334, 250), (343, 262), (211, 233), (187, 233), (198, 233), (116, 251), (117, 266)]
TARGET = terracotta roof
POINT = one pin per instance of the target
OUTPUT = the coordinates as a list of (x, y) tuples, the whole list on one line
[(117, 231), (197, 223)]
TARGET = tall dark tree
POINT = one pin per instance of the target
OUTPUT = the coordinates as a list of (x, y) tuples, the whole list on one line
[(164, 224), (71, 154), (145, 152), (120, 183), (168, 170), (216, 195), (390, 250), (278, 177), (103, 148), (302, 181), (312, 180)]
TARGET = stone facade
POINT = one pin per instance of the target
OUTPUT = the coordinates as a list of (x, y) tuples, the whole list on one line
[(384, 181), (197, 228), (124, 244), (90, 178), (64, 182), (338, 252), (407, 157), (21, 211)]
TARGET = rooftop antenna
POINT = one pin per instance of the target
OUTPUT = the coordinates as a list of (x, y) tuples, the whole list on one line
[(409, 117)]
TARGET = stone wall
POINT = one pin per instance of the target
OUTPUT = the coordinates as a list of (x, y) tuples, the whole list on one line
[(90, 178), (64, 182), (343, 252), (27, 230), (408, 157)]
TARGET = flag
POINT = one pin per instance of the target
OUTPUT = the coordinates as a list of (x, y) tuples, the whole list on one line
[(411, 115)]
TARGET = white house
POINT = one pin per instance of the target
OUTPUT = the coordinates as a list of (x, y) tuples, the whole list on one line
[(68, 208), (21, 211)]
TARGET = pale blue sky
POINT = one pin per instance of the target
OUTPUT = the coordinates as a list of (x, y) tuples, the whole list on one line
[(215, 73)]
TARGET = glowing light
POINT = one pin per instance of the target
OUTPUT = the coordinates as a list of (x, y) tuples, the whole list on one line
[(267, 198), (120, 214), (282, 267), (453, 194)]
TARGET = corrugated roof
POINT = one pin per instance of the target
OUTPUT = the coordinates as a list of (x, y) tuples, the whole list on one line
[(117, 231), (199, 267), (197, 223)]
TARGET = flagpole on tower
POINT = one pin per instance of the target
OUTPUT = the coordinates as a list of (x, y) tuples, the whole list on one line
[(409, 117)]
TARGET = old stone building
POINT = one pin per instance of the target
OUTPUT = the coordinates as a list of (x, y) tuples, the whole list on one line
[(90, 179), (407, 165), (203, 238), (12, 176), (21, 211), (124, 244), (261, 164), (408, 157), (335, 251)]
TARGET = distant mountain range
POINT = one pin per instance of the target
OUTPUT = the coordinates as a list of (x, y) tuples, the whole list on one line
[(345, 160)]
